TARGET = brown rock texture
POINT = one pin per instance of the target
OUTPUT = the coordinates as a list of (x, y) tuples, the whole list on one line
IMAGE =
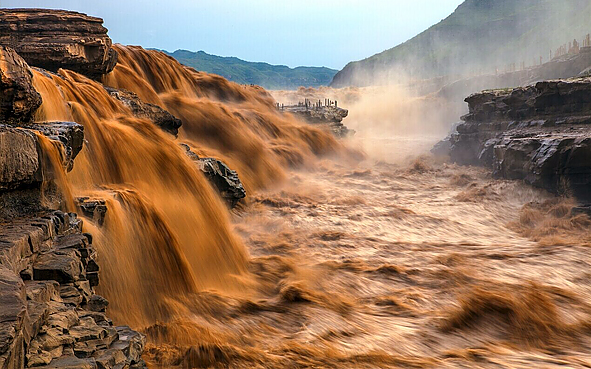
[(326, 116), (18, 98), (540, 134), (50, 316), (221, 177), (54, 39), (160, 117)]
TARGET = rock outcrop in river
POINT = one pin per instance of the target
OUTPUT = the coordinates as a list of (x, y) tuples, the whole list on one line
[(51, 316), (540, 134), (165, 237), (328, 116), (160, 117), (54, 39), (224, 179)]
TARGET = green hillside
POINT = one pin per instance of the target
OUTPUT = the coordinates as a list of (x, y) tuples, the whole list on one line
[(272, 77), (479, 37)]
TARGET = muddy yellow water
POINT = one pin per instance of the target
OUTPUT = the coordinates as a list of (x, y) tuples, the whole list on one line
[(419, 265), (337, 259)]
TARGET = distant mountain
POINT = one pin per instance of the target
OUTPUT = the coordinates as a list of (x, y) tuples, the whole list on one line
[(479, 37), (271, 77)]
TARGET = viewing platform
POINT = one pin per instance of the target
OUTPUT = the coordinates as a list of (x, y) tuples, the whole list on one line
[(325, 113)]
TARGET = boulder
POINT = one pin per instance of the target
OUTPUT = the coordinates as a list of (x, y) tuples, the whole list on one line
[(54, 39), (97, 304), (160, 117), (60, 266), (18, 98), (21, 155), (20, 159), (224, 179), (131, 343), (95, 209), (22, 172)]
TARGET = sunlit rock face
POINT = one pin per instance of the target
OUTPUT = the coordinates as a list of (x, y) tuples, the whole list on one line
[(540, 134), (18, 100), (54, 39)]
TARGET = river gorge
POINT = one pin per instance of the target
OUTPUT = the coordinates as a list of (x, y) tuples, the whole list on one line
[(158, 216)]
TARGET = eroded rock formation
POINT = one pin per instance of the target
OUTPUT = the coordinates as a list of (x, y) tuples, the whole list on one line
[(540, 134), (328, 116), (160, 117), (20, 159), (92, 208), (50, 316), (54, 39), (224, 179), (18, 100)]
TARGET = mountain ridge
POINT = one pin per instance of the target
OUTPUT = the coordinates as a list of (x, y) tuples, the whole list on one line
[(269, 76), (480, 36)]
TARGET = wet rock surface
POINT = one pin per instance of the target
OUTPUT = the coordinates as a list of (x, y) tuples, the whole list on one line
[(20, 161), (540, 134), (54, 39), (69, 134), (160, 117), (328, 116), (224, 179), (22, 170), (95, 209), (50, 316), (21, 157)]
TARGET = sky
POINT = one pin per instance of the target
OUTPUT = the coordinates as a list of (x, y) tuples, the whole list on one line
[(327, 33)]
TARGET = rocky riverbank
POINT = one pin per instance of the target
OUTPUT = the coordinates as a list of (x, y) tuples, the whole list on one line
[(540, 134), (51, 316)]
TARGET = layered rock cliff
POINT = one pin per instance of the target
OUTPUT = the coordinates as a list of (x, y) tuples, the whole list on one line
[(540, 134), (54, 39), (18, 100), (51, 316)]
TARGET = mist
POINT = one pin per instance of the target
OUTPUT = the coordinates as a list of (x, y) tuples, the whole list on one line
[(237, 227), (480, 38)]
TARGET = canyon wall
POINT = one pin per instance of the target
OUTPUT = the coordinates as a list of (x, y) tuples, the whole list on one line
[(51, 315), (540, 134)]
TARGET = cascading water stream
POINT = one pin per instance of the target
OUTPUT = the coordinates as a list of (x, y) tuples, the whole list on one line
[(374, 266), (167, 233)]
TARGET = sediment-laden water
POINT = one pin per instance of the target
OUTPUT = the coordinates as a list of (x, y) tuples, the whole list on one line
[(397, 260), (419, 265)]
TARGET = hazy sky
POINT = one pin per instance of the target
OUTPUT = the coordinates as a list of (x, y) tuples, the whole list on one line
[(306, 32)]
